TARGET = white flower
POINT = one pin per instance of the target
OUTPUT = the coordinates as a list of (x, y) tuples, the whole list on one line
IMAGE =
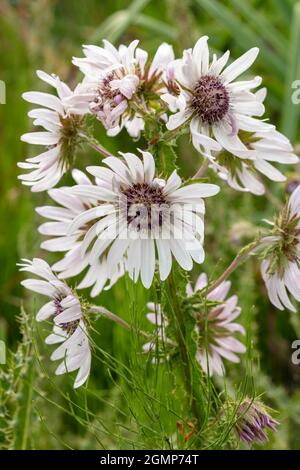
[(69, 324), (264, 147), (62, 123), (76, 260), (281, 266), (119, 81), (136, 213), (215, 105), (218, 323)]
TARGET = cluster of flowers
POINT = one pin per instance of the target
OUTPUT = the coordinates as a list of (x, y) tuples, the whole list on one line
[(125, 217)]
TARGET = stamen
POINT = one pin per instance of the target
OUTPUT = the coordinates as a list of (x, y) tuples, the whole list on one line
[(210, 99)]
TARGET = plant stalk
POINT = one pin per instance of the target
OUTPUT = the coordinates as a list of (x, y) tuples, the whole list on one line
[(180, 333)]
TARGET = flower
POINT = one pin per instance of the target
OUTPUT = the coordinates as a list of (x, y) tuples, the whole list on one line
[(120, 86), (252, 421), (264, 147), (135, 212), (215, 106), (280, 267), (62, 123), (76, 260), (68, 318), (161, 342), (215, 329)]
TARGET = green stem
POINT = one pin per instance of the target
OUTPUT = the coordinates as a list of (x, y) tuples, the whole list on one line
[(180, 333), (240, 257), (202, 170), (112, 316), (27, 412), (93, 143)]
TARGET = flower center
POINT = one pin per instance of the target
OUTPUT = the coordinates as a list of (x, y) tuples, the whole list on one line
[(210, 99), (144, 205), (69, 327)]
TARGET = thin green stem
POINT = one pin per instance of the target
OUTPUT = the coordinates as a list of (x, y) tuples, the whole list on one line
[(28, 405), (112, 316), (180, 333), (93, 143), (240, 257), (202, 170)]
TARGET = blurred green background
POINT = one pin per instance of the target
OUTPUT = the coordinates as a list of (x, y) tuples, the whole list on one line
[(45, 34)]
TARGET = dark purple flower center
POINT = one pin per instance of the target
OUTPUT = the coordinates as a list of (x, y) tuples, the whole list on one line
[(69, 327), (144, 203), (210, 99)]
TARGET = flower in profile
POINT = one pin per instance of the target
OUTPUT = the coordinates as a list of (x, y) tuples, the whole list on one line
[(62, 122), (265, 148), (215, 328), (253, 420), (215, 105), (121, 86), (280, 266), (75, 259), (135, 213), (69, 323)]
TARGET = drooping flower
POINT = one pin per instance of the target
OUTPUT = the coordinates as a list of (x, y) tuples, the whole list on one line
[(264, 147), (281, 265), (215, 328), (62, 122), (215, 105), (76, 260), (120, 86), (252, 422), (69, 323), (135, 213)]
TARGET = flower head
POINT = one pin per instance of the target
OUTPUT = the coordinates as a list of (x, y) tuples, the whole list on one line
[(265, 148), (69, 323), (62, 124), (280, 267), (120, 86), (214, 330), (215, 105), (252, 421), (76, 259), (135, 212)]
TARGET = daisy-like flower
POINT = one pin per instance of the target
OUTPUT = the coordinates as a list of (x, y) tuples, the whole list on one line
[(75, 260), (137, 213), (62, 122), (253, 420), (281, 265), (215, 105), (218, 324), (68, 318), (264, 147), (120, 86)]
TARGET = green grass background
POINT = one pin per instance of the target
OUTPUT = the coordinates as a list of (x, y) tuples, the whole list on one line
[(130, 408)]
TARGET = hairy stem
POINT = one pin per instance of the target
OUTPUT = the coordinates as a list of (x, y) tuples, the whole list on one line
[(112, 316), (180, 333), (93, 143), (202, 170), (240, 257)]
